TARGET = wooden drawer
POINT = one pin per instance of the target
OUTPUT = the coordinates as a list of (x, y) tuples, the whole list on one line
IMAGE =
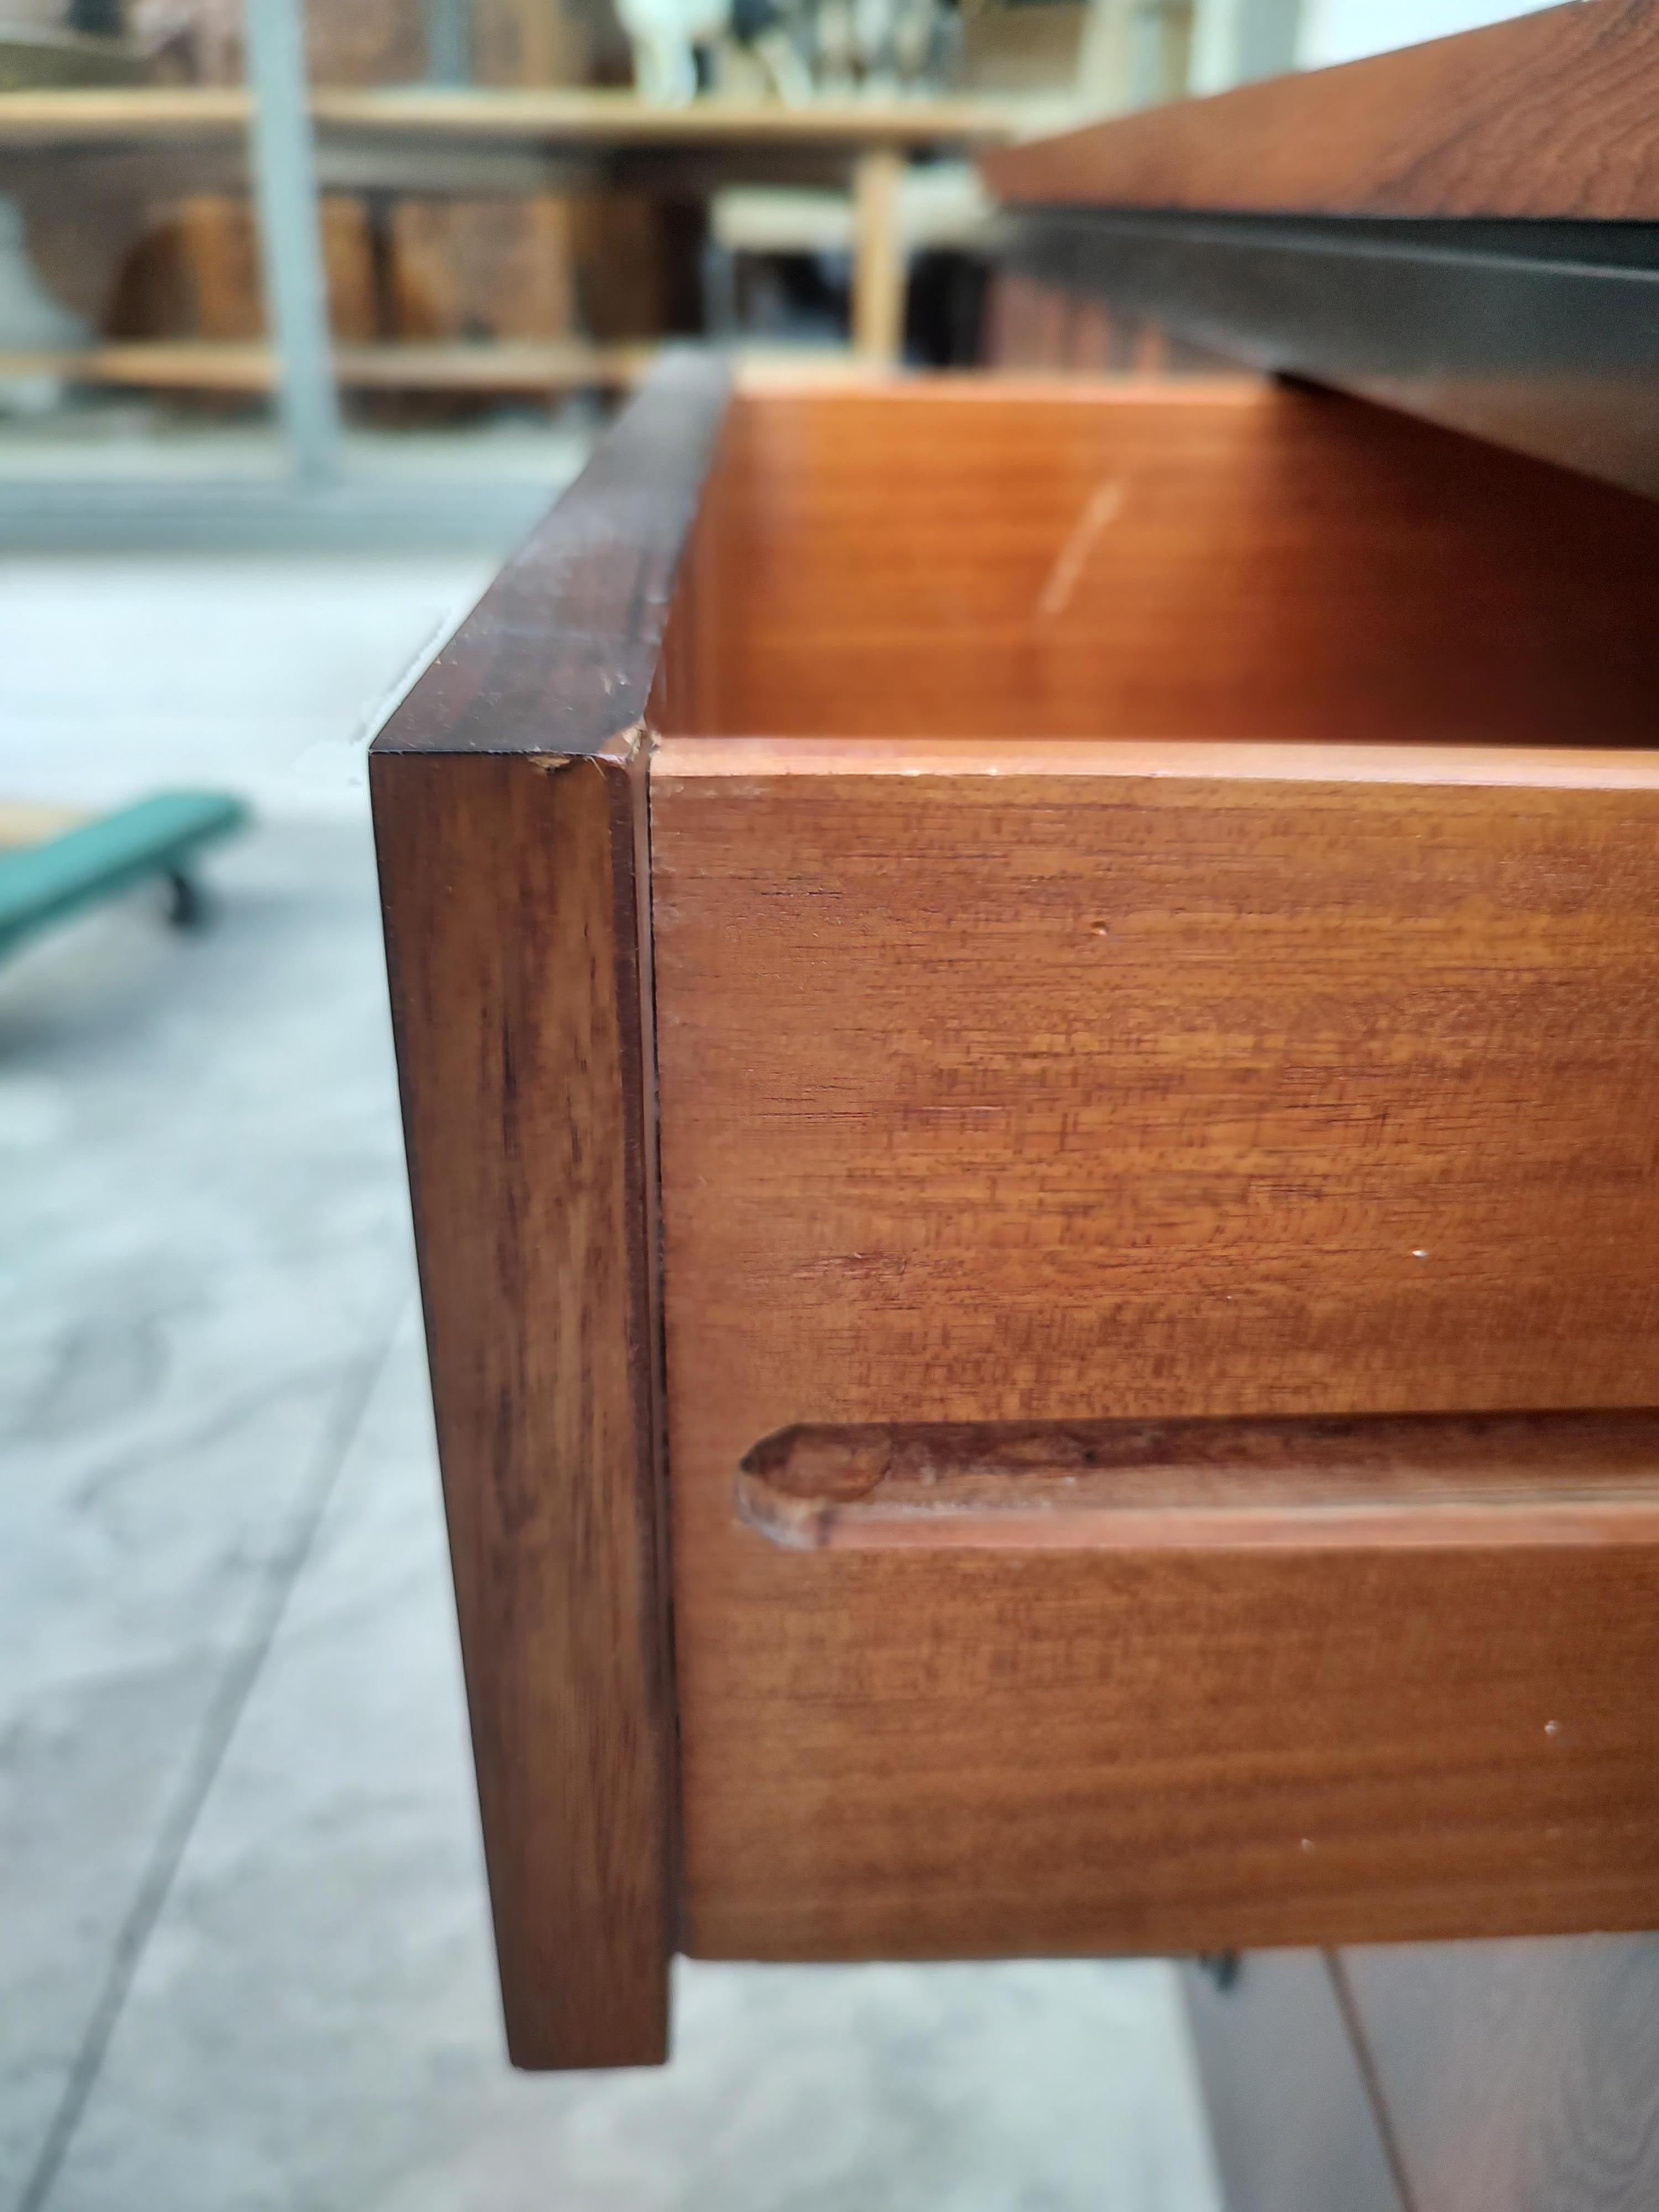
[(1028, 1081)]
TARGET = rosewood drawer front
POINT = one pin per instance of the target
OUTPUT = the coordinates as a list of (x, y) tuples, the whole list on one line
[(1029, 1037)]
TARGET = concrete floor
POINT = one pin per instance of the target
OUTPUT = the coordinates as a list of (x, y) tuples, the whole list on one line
[(243, 1946)]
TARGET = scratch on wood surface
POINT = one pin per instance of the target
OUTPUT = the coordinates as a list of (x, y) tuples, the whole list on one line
[(617, 751), (1103, 506)]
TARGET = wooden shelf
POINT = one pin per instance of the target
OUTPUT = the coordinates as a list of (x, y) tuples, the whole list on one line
[(199, 365), (872, 137), (599, 118), (196, 365), (120, 112), (507, 365), (567, 117)]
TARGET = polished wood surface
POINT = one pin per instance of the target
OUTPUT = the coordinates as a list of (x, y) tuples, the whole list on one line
[(1189, 1094), (1199, 561), (1411, 1482), (1546, 116), (559, 654), (1266, 1042), (515, 979), (1213, 1095), (509, 810), (1294, 2124)]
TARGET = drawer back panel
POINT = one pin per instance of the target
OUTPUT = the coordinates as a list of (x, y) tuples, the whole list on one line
[(1236, 560)]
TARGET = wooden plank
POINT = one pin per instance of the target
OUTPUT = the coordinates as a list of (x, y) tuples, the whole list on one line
[(516, 994), (962, 558), (878, 257), (501, 365), (1546, 116), (581, 117), (207, 364), (1516, 2077), (124, 113), (509, 822), (570, 115), (1264, 1088), (1395, 1481), (1291, 2113), (1050, 1083), (189, 363), (496, 365)]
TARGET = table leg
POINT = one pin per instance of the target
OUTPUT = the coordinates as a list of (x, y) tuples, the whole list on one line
[(878, 269)]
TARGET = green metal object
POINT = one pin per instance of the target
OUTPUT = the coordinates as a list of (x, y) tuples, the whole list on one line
[(159, 836)]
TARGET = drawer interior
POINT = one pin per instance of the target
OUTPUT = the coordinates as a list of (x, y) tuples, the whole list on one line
[(1233, 559)]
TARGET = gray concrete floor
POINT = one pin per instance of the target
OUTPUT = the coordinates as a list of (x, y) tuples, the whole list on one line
[(244, 1955)]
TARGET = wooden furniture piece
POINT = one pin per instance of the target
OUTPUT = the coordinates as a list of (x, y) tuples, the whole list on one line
[(1468, 229), (1465, 230), (401, 137), (1026, 1026), (1028, 1030)]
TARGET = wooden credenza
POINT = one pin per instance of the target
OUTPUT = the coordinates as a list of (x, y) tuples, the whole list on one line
[(1029, 1031)]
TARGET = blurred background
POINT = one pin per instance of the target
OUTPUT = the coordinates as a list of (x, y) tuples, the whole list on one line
[(306, 312), (495, 207)]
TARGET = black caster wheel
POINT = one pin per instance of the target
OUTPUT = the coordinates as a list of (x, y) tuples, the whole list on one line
[(187, 906)]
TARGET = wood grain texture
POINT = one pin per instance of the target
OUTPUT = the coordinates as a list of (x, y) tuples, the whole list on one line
[(1546, 116), (508, 886), (1516, 2077), (1291, 2115), (1188, 1094), (1195, 560), (510, 824), (1191, 1095), (474, 269), (1450, 1481)]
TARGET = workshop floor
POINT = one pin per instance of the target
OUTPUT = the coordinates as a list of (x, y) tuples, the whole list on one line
[(244, 1959)]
